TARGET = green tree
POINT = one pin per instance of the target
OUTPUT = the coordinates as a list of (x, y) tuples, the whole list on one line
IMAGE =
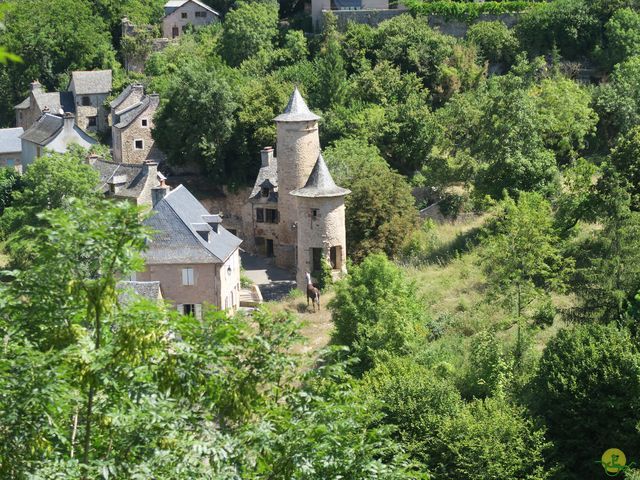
[(9, 182), (415, 400), (197, 93), (495, 41), (522, 258), (332, 75), (380, 211), (589, 375), (48, 184), (491, 438), (567, 119), (52, 37), (376, 312), (623, 35), (569, 25), (249, 29), (625, 158)]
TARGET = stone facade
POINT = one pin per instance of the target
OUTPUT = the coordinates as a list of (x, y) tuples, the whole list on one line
[(11, 160), (347, 7), (91, 114), (131, 133), (212, 285), (189, 13)]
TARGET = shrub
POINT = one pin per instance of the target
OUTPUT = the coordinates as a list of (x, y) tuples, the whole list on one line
[(495, 42)]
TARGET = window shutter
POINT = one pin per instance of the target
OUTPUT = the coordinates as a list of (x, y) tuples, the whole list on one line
[(190, 274), (180, 308), (185, 276), (198, 311)]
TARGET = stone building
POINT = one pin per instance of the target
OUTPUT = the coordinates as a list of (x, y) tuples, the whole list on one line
[(11, 148), (132, 115), (90, 91), (53, 133), (133, 182), (180, 14), (85, 98), (295, 211), (195, 259), (40, 102)]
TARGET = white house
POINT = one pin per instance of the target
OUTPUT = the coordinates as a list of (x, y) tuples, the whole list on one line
[(53, 133), (179, 14)]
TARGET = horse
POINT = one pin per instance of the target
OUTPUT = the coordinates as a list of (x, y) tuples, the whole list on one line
[(313, 293)]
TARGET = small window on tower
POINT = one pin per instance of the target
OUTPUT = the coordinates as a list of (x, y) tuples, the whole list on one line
[(314, 213)]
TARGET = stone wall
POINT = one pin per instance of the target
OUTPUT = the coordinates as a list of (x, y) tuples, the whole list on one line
[(125, 151), (451, 27), (94, 109)]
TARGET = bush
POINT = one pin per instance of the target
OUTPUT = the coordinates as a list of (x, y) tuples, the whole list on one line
[(496, 43), (588, 387), (490, 439), (376, 311)]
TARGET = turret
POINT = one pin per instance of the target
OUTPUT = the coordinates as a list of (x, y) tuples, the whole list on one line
[(297, 149), (321, 223)]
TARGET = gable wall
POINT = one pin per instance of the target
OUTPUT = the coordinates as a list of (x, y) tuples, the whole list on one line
[(175, 19)]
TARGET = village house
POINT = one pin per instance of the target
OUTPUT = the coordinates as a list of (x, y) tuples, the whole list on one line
[(320, 7), (90, 91), (193, 257), (295, 212), (133, 182), (53, 133), (40, 102), (132, 115), (85, 98), (11, 148), (180, 14)]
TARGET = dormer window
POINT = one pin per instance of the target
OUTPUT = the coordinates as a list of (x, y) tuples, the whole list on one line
[(265, 192)]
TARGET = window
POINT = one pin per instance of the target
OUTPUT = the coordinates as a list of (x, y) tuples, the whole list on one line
[(316, 259), (145, 122), (187, 276), (201, 14), (260, 215), (86, 102), (265, 192), (93, 121), (194, 309), (184, 15), (175, 32), (10, 162), (314, 213), (272, 215), (260, 245), (139, 144), (335, 257)]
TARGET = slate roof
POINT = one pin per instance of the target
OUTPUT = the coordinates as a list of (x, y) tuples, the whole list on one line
[(149, 290), (10, 140), (121, 98), (129, 176), (92, 82), (175, 4), (126, 117), (176, 240), (320, 183), (42, 132), (268, 174), (296, 110), (56, 101)]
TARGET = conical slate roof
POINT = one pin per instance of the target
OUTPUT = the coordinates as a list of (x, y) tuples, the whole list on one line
[(320, 183), (297, 110)]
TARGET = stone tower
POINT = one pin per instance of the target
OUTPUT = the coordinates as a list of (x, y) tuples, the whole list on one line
[(297, 149), (321, 224)]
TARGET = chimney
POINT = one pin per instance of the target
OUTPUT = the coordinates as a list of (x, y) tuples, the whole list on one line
[(203, 230), (214, 221), (158, 193), (35, 85), (69, 120), (154, 100), (150, 169), (267, 156)]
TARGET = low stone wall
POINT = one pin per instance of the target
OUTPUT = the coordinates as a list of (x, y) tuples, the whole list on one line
[(455, 28)]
